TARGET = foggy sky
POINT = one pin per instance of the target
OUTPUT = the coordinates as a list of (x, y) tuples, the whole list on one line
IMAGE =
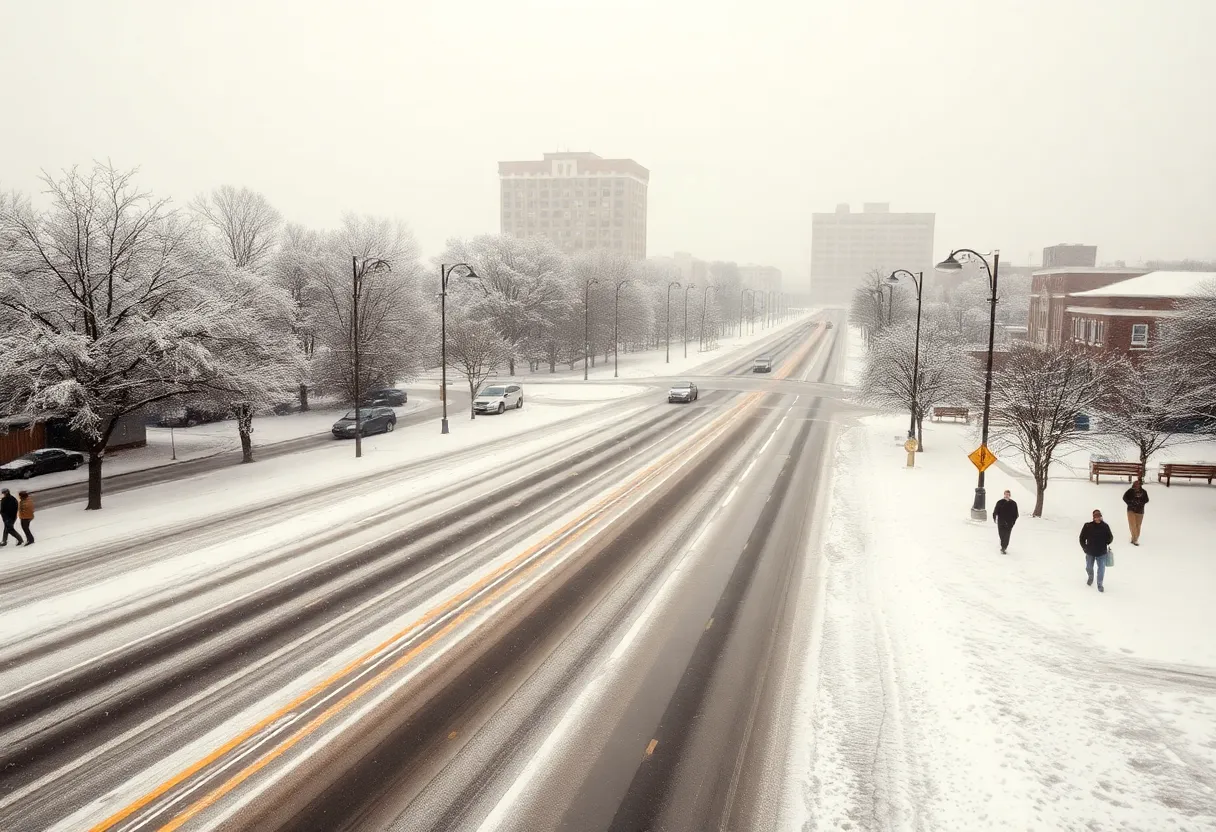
[(1021, 123)]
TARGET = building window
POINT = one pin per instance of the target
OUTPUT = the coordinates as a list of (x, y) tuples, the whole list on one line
[(1139, 336)]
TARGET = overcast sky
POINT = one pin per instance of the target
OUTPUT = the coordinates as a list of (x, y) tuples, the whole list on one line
[(1020, 123)]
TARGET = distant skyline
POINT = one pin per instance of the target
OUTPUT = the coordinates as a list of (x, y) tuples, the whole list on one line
[(1019, 124)]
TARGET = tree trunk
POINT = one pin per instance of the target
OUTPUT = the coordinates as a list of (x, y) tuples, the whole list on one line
[(303, 398), (1039, 489), (511, 365), (95, 457), (920, 433), (472, 399), (244, 427)]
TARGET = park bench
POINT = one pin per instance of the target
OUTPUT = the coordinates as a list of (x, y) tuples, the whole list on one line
[(1131, 470), (1185, 471), (951, 413)]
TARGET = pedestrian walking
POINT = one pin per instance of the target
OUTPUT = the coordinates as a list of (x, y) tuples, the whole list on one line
[(1136, 498), (9, 509), (1096, 538), (25, 512), (1005, 515)]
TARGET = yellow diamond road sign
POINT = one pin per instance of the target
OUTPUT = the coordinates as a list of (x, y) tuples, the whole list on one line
[(982, 458)]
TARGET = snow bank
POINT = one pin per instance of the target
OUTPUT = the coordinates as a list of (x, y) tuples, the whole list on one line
[(571, 391)]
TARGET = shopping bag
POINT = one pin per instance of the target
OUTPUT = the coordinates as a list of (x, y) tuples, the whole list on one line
[(1110, 557)]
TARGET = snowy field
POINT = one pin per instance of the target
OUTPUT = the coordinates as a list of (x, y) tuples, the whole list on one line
[(955, 688)]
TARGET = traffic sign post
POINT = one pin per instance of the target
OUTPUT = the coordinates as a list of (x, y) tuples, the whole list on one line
[(982, 458), (910, 447)]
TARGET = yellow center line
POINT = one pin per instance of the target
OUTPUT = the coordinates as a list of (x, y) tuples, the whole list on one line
[(701, 439)]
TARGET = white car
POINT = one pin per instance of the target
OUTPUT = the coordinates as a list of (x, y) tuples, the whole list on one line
[(498, 397)]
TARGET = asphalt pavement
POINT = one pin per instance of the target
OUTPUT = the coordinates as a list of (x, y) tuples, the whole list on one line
[(585, 642)]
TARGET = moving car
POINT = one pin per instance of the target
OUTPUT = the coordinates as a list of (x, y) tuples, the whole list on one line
[(763, 364), (830, 325), (385, 397), (371, 420), (44, 461), (682, 391), (498, 397)]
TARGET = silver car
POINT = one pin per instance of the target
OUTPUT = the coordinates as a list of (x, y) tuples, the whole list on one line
[(499, 397)]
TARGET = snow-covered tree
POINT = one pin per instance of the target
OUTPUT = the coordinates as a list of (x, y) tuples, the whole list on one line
[(117, 305), (943, 375), (523, 284), (877, 303), (1189, 341), (297, 267), (243, 222), (1153, 404), (1036, 399), (475, 351), (397, 328)]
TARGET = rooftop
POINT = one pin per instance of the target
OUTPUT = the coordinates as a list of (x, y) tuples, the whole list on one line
[(1089, 270), (1156, 285)]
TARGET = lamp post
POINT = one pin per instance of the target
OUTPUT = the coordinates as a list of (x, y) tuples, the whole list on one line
[(684, 332), (979, 509), (370, 265), (675, 284), (742, 295), (704, 303), (616, 331), (587, 323), (918, 280), (445, 272)]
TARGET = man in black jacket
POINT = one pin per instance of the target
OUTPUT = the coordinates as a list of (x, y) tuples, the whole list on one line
[(1005, 514), (8, 514), (1136, 498), (1096, 538)]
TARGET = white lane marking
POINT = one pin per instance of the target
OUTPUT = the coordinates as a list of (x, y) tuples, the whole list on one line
[(749, 468), (730, 496), (796, 398)]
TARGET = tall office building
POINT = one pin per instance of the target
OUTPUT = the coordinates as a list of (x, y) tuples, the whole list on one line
[(846, 246), (1070, 255), (761, 278), (578, 200)]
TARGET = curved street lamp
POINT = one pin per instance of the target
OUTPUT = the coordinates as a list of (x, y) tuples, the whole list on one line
[(918, 280), (704, 303), (684, 333), (675, 284), (952, 263), (587, 323), (359, 271), (445, 273), (616, 331)]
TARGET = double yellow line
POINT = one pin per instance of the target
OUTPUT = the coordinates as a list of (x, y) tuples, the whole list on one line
[(570, 530)]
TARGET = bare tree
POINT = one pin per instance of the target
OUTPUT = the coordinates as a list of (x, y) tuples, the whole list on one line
[(1037, 398), (1154, 404), (298, 267), (943, 374), (245, 223), (1189, 341), (878, 303), (475, 351), (117, 305)]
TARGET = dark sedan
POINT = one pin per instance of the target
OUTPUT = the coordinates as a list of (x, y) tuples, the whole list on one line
[(385, 397), (371, 420), (45, 461)]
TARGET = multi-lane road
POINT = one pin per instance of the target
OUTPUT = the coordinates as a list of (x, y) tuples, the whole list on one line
[(592, 637)]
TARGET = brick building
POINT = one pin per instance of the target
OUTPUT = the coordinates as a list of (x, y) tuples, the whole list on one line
[(1049, 291), (1124, 317), (578, 200)]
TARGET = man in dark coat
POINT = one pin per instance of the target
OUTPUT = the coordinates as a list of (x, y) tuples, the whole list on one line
[(1005, 515), (8, 514), (1136, 498), (1096, 538)]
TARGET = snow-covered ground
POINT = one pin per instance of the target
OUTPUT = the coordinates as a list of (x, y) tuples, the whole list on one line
[(951, 687)]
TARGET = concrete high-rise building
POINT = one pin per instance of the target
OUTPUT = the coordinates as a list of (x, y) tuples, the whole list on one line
[(761, 278), (578, 200), (1070, 255), (846, 246)]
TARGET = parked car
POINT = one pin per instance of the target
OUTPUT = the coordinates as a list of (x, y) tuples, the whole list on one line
[(385, 397), (682, 391), (188, 417), (44, 461), (371, 420), (763, 364), (497, 398)]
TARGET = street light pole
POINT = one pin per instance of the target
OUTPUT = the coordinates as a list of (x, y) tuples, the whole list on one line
[(445, 273), (979, 509), (616, 331), (742, 295), (751, 315), (704, 304), (675, 284), (587, 323), (918, 280), (684, 333)]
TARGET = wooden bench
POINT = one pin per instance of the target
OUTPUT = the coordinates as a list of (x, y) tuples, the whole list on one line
[(1184, 471), (951, 413), (1131, 470)]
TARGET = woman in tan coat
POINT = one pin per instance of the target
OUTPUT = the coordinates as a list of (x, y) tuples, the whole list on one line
[(25, 513)]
